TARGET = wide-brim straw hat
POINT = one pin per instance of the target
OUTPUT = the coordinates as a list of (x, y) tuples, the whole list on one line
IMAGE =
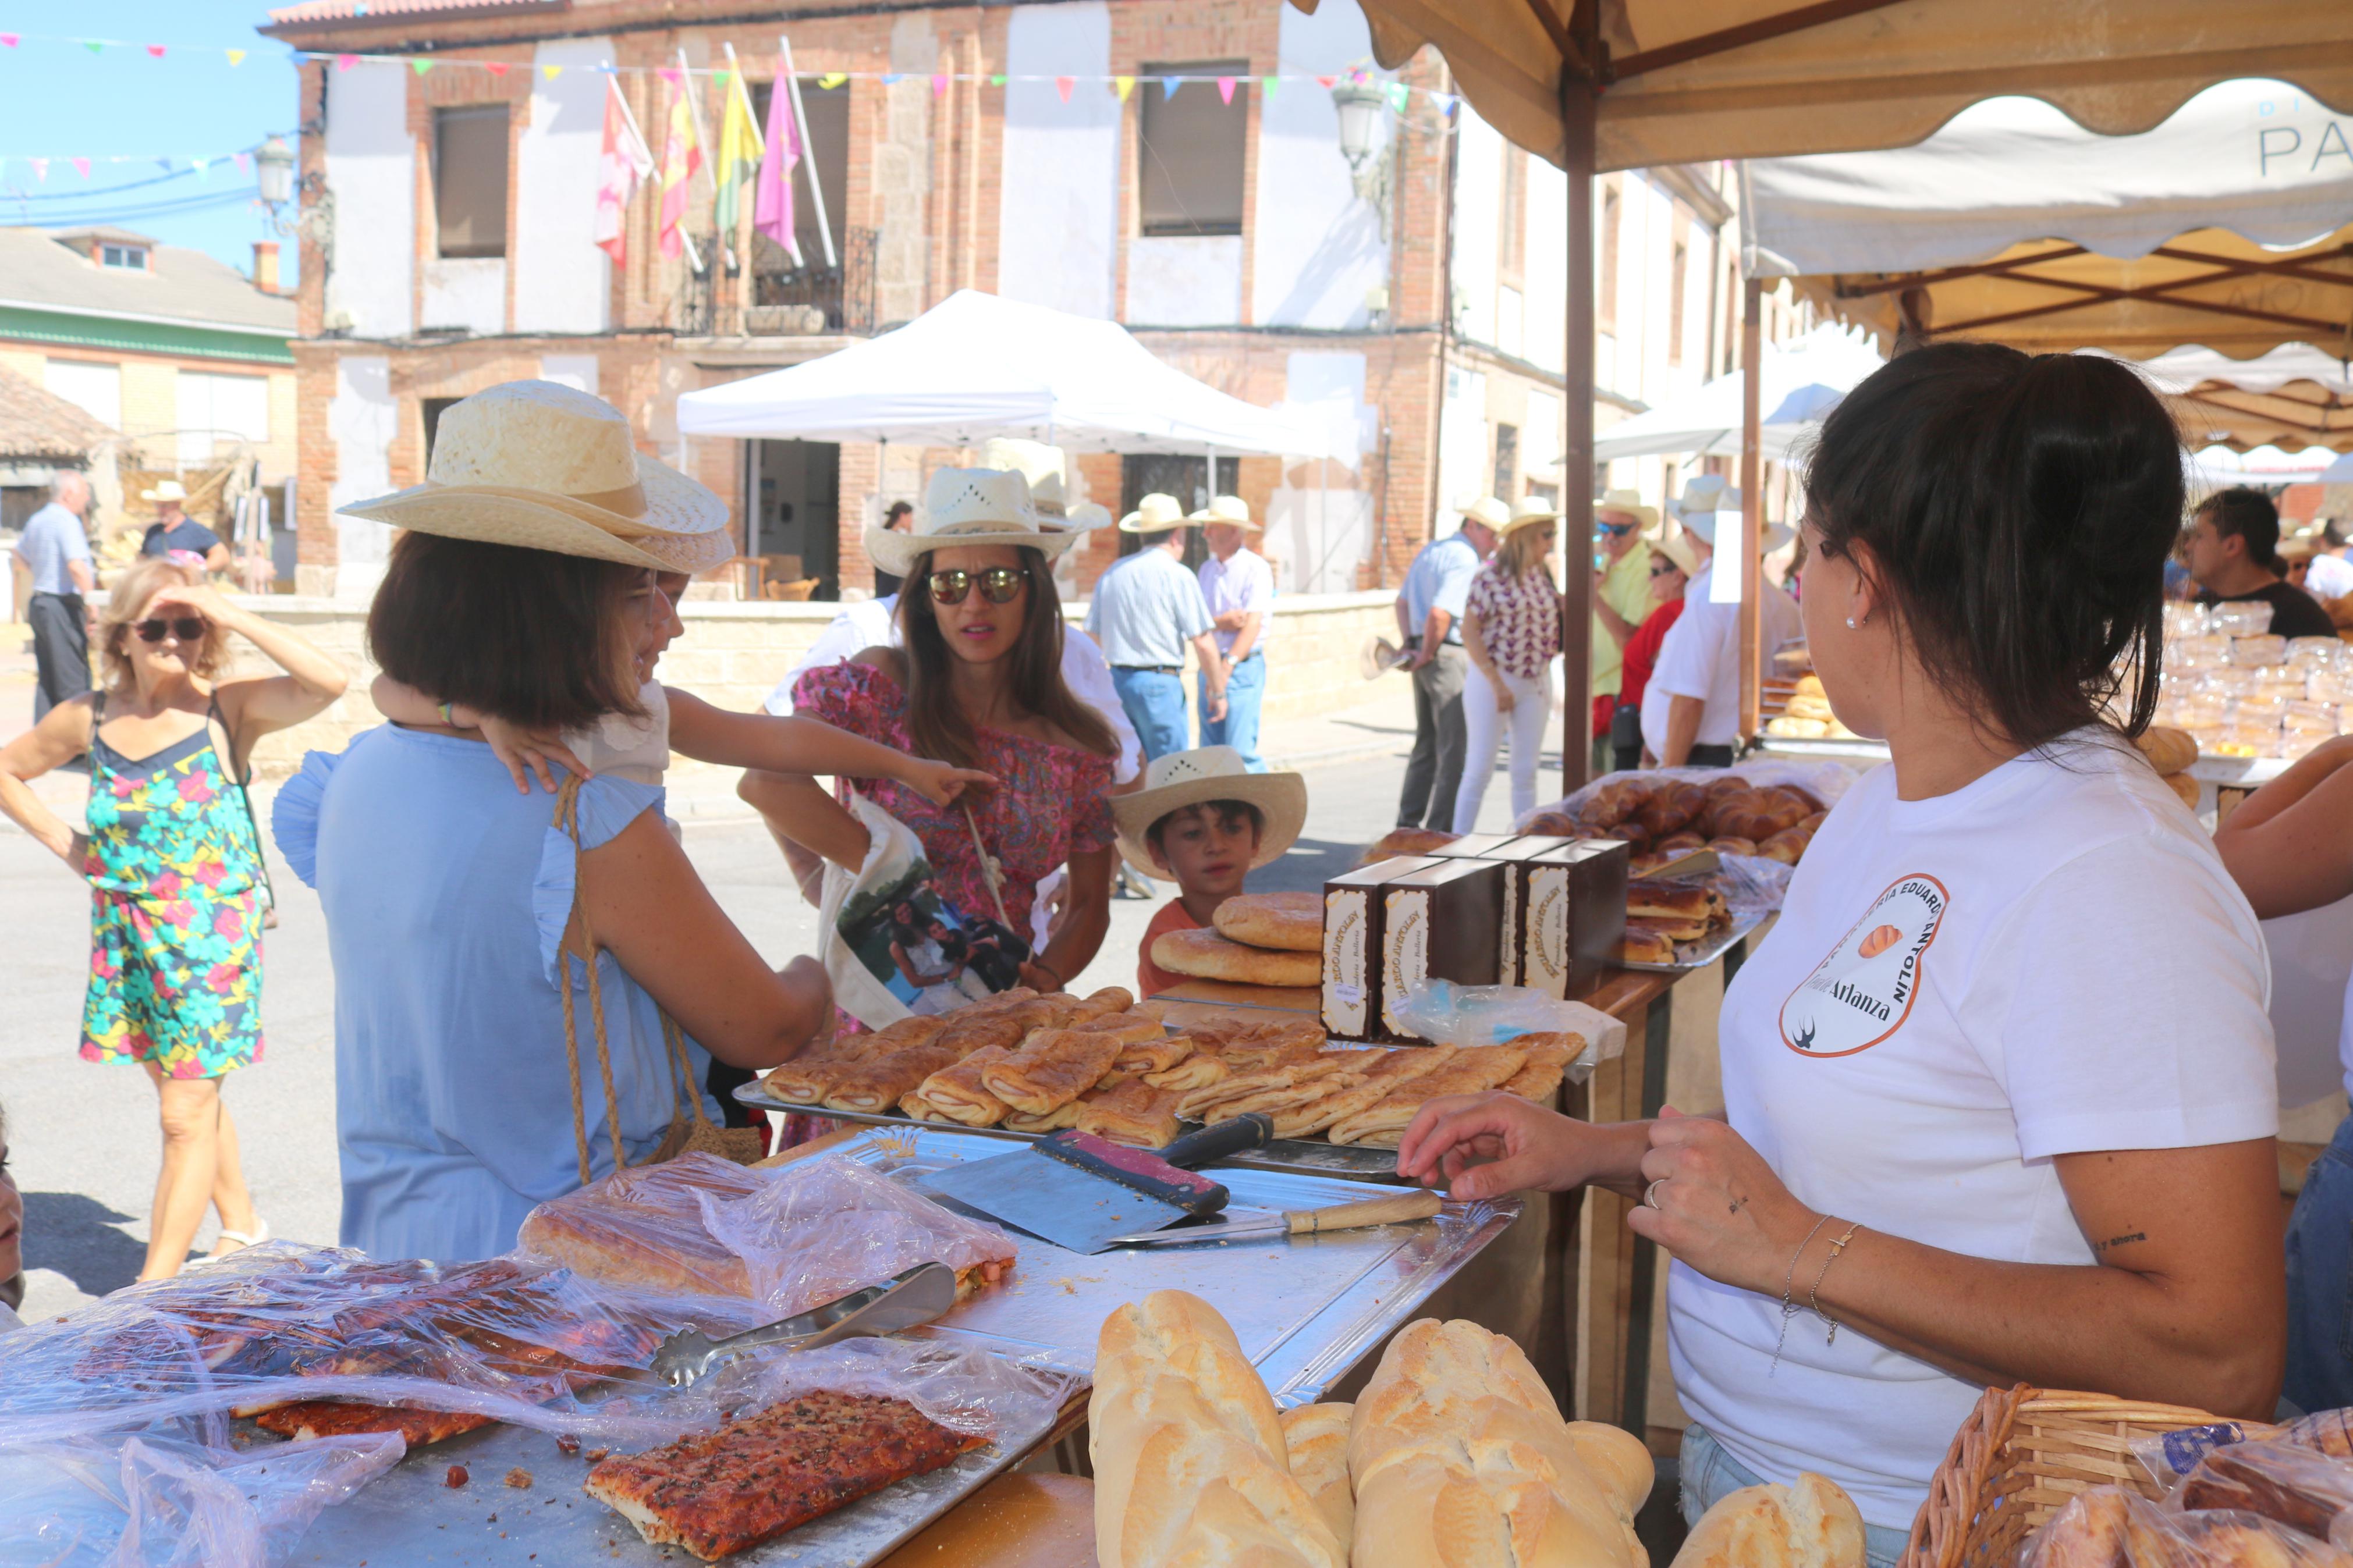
[(1488, 512), (1526, 511), (170, 490), (975, 507), (1035, 462), (546, 466), (1379, 655), (1630, 502), (1231, 509), (1679, 551), (1181, 779), (1155, 514)]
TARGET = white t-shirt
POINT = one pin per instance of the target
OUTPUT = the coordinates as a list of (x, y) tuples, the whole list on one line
[(1701, 657), (634, 749), (2049, 961), (2331, 576)]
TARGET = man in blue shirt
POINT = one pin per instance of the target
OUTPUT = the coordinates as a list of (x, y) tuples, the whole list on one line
[(1146, 610), (1429, 618), (174, 530), (55, 548)]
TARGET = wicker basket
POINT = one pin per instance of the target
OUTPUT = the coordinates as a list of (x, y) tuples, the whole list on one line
[(2018, 1458)]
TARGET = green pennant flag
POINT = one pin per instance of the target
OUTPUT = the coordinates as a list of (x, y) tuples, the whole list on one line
[(420, 65)]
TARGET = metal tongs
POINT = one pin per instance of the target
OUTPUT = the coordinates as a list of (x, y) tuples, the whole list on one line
[(914, 1296)]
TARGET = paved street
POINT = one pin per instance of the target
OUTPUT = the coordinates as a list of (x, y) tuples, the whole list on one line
[(84, 1139)]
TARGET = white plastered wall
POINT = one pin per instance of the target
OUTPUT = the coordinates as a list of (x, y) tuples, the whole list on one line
[(1185, 280), (1058, 225), (1320, 532), (1317, 248), (562, 278), (361, 421), (1478, 223), (577, 372), (372, 170)]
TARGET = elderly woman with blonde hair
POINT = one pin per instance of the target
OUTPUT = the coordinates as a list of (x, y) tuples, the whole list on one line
[(174, 863)]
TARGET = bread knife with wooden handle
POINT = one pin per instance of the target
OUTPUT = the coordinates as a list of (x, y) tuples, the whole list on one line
[(1421, 1203)]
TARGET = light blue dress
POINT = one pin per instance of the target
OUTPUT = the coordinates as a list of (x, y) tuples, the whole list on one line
[(446, 894)]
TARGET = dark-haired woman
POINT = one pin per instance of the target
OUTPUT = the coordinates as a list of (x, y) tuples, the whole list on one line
[(978, 682), (1999, 1087), (477, 1071)]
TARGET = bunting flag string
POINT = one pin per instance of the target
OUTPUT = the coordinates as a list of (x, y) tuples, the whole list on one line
[(200, 163)]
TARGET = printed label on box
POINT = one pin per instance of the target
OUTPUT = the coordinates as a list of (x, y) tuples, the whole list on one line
[(1345, 974), (1546, 948), (1405, 952)]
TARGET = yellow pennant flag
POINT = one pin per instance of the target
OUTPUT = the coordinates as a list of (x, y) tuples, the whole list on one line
[(1123, 85), (739, 152), (236, 56), (551, 72), (832, 79)]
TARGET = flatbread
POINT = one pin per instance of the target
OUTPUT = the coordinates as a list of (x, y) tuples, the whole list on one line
[(1291, 922), (312, 1418), (1206, 955)]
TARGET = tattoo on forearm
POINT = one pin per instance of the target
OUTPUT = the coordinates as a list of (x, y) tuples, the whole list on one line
[(2115, 1241)]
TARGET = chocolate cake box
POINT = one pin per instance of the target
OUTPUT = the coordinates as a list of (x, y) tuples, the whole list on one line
[(1442, 922), (1514, 851), (1574, 916), (1353, 911)]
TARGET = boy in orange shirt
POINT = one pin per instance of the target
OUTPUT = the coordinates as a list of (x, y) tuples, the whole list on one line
[(1203, 821)]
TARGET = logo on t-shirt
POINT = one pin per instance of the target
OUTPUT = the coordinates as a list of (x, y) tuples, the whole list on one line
[(1863, 991)]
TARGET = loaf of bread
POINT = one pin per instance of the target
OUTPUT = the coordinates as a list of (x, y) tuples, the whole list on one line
[(1405, 841), (2184, 786), (1293, 921), (1208, 956), (1316, 1439), (1811, 1524), (2168, 751)]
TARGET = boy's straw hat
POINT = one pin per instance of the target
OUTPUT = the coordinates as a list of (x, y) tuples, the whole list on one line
[(545, 467), (968, 506), (1209, 772)]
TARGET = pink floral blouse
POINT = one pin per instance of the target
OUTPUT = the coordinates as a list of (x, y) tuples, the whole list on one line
[(1053, 802), (1519, 619)]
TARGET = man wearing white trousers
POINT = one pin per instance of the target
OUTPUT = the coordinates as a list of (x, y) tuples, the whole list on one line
[(1511, 629)]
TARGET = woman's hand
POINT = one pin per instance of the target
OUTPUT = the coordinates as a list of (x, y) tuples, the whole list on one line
[(1485, 1145), (526, 753), (1504, 698), (198, 599), (1041, 978), (1714, 1203), (939, 783)]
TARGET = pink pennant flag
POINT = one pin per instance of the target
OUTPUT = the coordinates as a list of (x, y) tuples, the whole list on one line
[(81, 166), (772, 202), (9, 39), (670, 74), (939, 83), (498, 68), (345, 62), (1062, 84), (40, 169), (155, 51), (625, 161), (1326, 82), (1226, 88), (244, 163)]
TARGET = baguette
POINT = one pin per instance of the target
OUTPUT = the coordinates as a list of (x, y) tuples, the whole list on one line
[(1315, 1437), (1206, 955), (1809, 1524)]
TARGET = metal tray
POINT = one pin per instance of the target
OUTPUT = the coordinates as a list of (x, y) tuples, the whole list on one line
[(1306, 1309), (1695, 955), (1306, 1156), (408, 1516)]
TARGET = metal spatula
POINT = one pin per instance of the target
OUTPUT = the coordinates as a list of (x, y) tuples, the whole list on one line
[(913, 1298)]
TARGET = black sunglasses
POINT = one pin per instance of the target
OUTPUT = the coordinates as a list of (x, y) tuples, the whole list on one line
[(1661, 568), (187, 628), (999, 584)]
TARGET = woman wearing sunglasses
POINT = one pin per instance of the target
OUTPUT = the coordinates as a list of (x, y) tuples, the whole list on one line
[(173, 862), (977, 682)]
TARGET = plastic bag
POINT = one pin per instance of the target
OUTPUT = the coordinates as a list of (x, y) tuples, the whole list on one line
[(1826, 781), (157, 1501), (822, 1228), (958, 1385), (2118, 1529), (644, 1226), (1490, 1014), (2299, 1487), (1751, 884)]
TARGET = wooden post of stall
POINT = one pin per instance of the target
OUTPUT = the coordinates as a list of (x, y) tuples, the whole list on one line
[(1581, 101), (1752, 510)]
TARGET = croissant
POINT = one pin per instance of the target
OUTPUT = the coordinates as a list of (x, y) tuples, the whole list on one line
[(1615, 800), (1554, 825), (1663, 814), (1721, 802), (1786, 847), (1744, 818)]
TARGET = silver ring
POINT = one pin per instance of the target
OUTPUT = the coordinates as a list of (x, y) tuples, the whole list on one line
[(1651, 1192)]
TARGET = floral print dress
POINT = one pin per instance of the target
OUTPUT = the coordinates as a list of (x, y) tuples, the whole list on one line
[(175, 909)]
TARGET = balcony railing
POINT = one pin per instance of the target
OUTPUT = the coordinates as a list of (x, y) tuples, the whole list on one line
[(786, 301)]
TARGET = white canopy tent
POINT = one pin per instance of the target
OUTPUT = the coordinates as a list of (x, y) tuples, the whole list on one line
[(2220, 468), (975, 366), (1799, 383)]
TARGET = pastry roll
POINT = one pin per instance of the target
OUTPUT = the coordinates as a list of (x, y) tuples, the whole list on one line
[(1050, 1069), (954, 1092), (1124, 1027), (1054, 1120), (1156, 1053), (1471, 1071), (1235, 1086), (1548, 1057), (1132, 1112), (1103, 1003), (1198, 1070), (805, 1077), (1369, 1087), (877, 1084)]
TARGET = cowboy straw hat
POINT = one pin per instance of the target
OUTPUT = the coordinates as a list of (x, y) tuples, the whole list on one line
[(1378, 656), (545, 467), (1085, 517), (1209, 773), (170, 490), (1488, 512), (1156, 513), (1525, 511), (1706, 498), (1229, 509), (972, 506), (1679, 551), (1630, 502), (1035, 462)]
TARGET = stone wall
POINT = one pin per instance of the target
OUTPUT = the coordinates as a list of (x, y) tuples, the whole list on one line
[(733, 654)]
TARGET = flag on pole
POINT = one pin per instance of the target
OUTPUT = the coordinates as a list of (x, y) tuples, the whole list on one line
[(772, 209), (625, 162), (682, 156), (739, 152)]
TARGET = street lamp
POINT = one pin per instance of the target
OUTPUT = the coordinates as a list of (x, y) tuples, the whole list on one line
[(274, 171), (1364, 107)]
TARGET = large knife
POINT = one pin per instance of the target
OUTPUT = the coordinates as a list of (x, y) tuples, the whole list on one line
[(1399, 1209), (1079, 1191)]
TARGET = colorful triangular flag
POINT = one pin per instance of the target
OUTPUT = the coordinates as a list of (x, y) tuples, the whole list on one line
[(9, 39), (1225, 89), (498, 68), (1399, 96), (244, 163), (420, 65), (1326, 82), (1267, 84), (996, 79), (1123, 85), (236, 56), (155, 51), (939, 83), (832, 79), (668, 74), (95, 46), (892, 79), (1168, 86), (82, 167), (1445, 102), (551, 72), (345, 62), (1062, 84), (40, 169)]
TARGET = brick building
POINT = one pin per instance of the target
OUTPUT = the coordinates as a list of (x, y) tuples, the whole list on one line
[(1035, 151)]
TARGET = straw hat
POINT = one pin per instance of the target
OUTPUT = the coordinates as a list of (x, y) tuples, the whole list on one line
[(1229, 509), (1085, 517), (545, 467), (1379, 655), (170, 490), (1525, 511), (1630, 502), (1209, 773), (977, 507), (1488, 511), (1679, 551), (1035, 462), (1707, 496), (1156, 513)]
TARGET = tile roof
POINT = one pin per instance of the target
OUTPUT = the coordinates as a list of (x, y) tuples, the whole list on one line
[(381, 12), (33, 423), (38, 272)]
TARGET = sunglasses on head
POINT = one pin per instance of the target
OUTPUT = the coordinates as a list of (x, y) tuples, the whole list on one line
[(999, 584), (187, 628)]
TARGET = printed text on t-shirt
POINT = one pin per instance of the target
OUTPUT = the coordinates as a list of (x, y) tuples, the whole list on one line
[(1863, 991)]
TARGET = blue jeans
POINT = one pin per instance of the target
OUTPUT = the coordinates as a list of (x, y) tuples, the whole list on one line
[(2320, 1282), (1245, 691), (1709, 1475), (1155, 706)]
